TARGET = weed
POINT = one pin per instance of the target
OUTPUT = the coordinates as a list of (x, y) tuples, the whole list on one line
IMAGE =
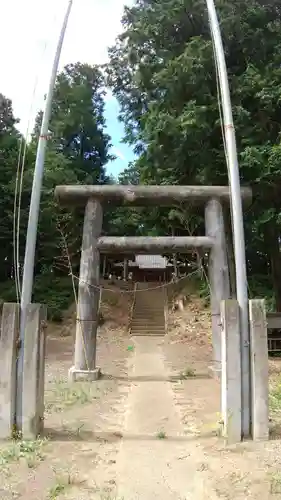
[(31, 451), (275, 483), (161, 435), (61, 486), (275, 399), (57, 489), (9, 454), (63, 395), (187, 373)]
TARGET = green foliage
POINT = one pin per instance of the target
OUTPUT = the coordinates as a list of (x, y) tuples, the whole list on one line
[(57, 292), (78, 123), (31, 451), (167, 88), (162, 72), (77, 153), (260, 287)]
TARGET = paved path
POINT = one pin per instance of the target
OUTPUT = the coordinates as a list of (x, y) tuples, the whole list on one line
[(150, 467)]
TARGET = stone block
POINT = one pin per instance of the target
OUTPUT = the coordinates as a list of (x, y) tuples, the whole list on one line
[(259, 370), (33, 372), (8, 357), (231, 401), (88, 375)]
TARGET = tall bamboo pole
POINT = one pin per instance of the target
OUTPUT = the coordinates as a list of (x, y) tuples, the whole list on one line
[(237, 214), (31, 236)]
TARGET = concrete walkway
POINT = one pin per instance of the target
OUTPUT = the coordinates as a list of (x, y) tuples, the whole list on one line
[(156, 460)]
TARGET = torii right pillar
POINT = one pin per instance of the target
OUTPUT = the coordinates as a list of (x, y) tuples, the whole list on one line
[(218, 273)]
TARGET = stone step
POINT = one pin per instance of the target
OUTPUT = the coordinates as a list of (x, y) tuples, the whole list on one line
[(142, 319), (151, 321), (154, 314), (148, 332), (148, 316), (148, 327)]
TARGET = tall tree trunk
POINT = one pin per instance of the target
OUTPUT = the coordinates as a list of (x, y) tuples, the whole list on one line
[(272, 236)]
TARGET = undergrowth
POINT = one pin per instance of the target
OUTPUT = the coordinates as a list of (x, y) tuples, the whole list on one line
[(55, 292), (275, 399), (30, 451), (60, 395)]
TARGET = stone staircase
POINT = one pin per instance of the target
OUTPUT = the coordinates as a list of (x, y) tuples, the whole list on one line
[(148, 312)]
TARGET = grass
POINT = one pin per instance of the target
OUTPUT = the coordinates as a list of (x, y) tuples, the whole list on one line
[(275, 398), (61, 486), (187, 373), (29, 451), (161, 435), (64, 395), (275, 484)]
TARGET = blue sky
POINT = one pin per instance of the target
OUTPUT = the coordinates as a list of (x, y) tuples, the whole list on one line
[(37, 25), (115, 129)]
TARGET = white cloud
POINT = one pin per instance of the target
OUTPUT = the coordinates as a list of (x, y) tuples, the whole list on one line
[(118, 153), (28, 37)]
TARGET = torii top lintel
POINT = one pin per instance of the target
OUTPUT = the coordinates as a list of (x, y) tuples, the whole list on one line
[(145, 195)]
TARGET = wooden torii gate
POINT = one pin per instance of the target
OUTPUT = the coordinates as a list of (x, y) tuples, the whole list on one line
[(95, 199), (226, 334)]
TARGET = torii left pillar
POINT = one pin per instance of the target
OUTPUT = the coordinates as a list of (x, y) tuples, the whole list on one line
[(88, 296), (218, 274)]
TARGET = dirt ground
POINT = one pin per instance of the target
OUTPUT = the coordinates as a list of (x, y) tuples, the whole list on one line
[(147, 429)]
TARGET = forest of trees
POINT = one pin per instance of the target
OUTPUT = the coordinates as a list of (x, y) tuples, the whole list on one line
[(161, 70)]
